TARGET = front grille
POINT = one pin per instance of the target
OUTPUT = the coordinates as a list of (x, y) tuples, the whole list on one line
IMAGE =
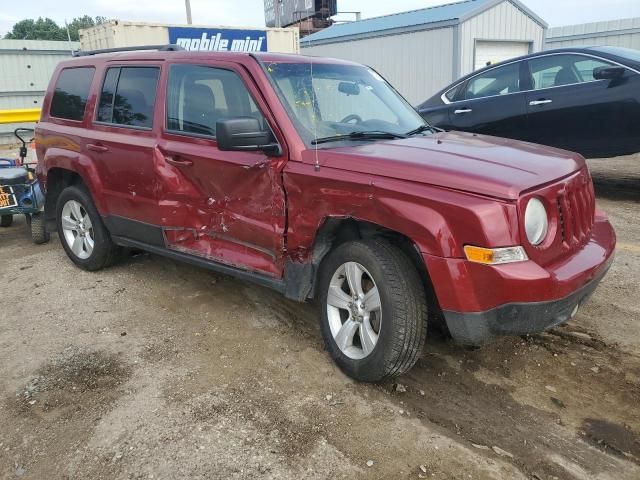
[(561, 229), (576, 207)]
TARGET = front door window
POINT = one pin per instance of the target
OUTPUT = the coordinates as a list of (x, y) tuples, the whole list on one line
[(198, 97)]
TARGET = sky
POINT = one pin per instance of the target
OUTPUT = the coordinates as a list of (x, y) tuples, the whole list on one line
[(251, 12)]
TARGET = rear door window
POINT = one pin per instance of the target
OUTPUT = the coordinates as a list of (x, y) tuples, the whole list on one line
[(494, 82), (70, 96), (199, 96), (128, 96)]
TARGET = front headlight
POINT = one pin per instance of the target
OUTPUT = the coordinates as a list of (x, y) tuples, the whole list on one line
[(536, 221)]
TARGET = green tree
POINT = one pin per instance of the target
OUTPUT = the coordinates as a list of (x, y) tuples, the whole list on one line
[(83, 22), (47, 29), (40, 29)]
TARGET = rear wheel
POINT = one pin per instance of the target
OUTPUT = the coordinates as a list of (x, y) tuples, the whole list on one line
[(373, 309), (39, 233), (82, 233), (6, 220)]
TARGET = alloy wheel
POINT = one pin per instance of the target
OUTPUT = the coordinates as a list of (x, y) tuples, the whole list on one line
[(77, 229), (354, 310)]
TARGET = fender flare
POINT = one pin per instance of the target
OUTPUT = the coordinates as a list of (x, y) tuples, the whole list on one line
[(84, 167)]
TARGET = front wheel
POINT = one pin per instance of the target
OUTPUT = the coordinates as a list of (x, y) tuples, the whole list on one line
[(39, 233), (82, 233), (6, 220), (373, 309)]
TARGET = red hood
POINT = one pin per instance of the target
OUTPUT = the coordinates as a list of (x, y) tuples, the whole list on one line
[(491, 166)]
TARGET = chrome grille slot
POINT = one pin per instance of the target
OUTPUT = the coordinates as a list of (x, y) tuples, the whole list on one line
[(563, 234)]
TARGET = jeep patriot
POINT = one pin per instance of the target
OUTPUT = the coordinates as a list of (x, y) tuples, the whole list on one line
[(314, 177)]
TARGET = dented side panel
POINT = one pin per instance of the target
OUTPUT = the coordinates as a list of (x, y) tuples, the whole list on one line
[(223, 206), (228, 207)]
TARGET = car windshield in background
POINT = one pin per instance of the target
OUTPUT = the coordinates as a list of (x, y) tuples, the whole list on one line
[(631, 54), (331, 100)]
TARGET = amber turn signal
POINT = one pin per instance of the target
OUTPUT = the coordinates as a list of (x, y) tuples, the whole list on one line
[(495, 256)]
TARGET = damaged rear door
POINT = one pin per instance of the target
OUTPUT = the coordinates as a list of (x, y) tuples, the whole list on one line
[(223, 206)]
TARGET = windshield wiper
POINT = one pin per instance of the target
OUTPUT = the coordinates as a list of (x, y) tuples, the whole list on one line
[(424, 128), (369, 135)]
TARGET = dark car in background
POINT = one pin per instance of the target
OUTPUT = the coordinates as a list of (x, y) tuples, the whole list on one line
[(585, 100)]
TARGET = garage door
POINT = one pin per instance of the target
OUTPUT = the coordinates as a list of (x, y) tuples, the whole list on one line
[(494, 52)]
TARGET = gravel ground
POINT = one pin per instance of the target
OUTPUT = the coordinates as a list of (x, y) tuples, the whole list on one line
[(154, 369)]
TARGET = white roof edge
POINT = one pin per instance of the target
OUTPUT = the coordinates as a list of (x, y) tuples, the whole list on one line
[(554, 31), (526, 10)]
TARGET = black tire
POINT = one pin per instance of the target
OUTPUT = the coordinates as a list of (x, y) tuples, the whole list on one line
[(39, 233), (403, 327), (105, 252), (6, 220)]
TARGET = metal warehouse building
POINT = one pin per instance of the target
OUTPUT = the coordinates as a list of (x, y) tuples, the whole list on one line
[(423, 50), (617, 33)]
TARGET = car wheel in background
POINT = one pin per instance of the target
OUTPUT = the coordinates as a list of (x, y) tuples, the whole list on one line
[(39, 233), (6, 220)]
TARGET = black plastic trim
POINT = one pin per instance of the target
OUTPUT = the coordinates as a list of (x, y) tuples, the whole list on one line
[(135, 230), (159, 48), (254, 277), (299, 280), (479, 328)]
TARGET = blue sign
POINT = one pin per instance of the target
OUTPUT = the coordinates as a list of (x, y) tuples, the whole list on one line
[(218, 39)]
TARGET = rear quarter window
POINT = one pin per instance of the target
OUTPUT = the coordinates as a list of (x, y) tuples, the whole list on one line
[(71, 93), (452, 93)]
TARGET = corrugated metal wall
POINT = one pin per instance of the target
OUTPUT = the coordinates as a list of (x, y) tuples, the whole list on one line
[(618, 33), (417, 64), (25, 69), (504, 22)]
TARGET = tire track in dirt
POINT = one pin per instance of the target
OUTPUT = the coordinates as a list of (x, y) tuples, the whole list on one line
[(476, 397)]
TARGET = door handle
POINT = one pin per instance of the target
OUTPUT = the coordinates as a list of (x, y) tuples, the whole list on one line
[(258, 164), (177, 161), (535, 103), (463, 111), (97, 148)]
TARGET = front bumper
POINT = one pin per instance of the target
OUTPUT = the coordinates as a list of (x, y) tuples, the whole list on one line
[(480, 302), (478, 328)]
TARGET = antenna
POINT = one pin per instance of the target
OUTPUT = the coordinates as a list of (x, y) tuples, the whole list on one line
[(68, 36), (312, 93)]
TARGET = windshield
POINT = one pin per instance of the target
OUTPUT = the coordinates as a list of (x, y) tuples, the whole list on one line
[(629, 53), (340, 100)]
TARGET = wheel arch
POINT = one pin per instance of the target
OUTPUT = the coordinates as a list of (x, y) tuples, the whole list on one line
[(301, 278), (66, 168), (57, 180)]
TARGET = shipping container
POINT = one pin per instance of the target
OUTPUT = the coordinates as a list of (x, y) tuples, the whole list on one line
[(118, 33)]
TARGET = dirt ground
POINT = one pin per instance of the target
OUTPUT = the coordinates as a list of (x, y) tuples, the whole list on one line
[(154, 369)]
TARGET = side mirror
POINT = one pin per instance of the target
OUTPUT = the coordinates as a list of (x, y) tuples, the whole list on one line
[(349, 88), (608, 73), (245, 134)]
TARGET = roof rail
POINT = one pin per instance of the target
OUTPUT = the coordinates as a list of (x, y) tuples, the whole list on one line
[(160, 48)]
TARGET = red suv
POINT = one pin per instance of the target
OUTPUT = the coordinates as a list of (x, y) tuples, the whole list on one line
[(316, 178)]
